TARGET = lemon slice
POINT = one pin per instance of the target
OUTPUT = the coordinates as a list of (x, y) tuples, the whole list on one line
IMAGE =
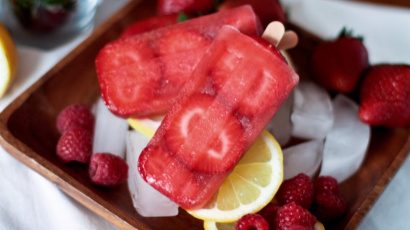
[(146, 126), (250, 186), (7, 60), (211, 225)]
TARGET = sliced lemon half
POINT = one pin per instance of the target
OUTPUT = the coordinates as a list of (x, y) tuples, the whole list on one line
[(250, 186), (7, 60)]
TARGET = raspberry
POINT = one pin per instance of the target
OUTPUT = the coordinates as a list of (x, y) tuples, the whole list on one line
[(329, 206), (293, 216), (326, 184), (75, 116), (252, 221), (298, 189), (75, 145), (269, 213), (107, 169)]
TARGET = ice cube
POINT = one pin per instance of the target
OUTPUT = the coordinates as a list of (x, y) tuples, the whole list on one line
[(312, 115), (346, 143), (280, 126), (109, 132), (146, 200), (303, 158)]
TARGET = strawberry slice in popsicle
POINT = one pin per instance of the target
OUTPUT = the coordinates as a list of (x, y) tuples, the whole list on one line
[(142, 75), (233, 93)]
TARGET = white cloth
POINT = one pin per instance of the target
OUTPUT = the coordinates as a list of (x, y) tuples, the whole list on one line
[(30, 202), (27, 200), (386, 32)]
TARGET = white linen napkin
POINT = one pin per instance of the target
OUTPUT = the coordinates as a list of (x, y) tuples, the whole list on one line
[(386, 30)]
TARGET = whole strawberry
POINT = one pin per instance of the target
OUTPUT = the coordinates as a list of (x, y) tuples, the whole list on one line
[(75, 145), (298, 189), (385, 96), (252, 221), (337, 65), (107, 169), (75, 116), (293, 216)]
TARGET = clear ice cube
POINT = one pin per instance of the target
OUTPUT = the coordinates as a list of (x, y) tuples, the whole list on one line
[(312, 115), (303, 158), (347, 142), (109, 132), (146, 200)]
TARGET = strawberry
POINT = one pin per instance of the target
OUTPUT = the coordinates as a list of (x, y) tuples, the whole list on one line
[(149, 24), (75, 145), (252, 221), (204, 136), (329, 206), (337, 65), (165, 7), (107, 169), (267, 10), (385, 96), (293, 216), (298, 189), (75, 116), (326, 184)]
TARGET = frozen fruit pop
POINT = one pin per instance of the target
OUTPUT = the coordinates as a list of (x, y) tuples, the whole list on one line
[(142, 75), (233, 93)]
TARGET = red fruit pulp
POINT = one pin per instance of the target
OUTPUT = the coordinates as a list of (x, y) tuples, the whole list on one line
[(206, 132), (142, 75)]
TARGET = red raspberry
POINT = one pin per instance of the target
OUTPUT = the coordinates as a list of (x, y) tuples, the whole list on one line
[(73, 116), (329, 206), (326, 184), (252, 221), (293, 216), (269, 213), (107, 169), (75, 145), (298, 189)]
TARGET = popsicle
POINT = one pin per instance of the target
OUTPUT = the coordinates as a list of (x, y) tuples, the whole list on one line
[(233, 93), (142, 75)]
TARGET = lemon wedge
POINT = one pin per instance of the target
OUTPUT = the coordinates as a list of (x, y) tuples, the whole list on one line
[(7, 60), (250, 186)]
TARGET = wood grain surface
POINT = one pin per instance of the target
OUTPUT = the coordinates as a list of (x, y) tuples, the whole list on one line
[(27, 129)]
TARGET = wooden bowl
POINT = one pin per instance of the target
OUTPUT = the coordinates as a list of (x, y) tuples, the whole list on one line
[(28, 132)]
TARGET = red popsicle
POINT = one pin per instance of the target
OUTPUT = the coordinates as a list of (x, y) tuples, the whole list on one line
[(142, 75), (233, 93)]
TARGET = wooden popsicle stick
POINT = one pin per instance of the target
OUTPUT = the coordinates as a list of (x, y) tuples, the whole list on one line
[(274, 32), (289, 40)]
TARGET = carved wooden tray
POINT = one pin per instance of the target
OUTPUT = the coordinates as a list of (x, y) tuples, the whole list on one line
[(27, 129)]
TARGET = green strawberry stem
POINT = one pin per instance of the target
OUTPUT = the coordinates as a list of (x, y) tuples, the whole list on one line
[(345, 32)]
